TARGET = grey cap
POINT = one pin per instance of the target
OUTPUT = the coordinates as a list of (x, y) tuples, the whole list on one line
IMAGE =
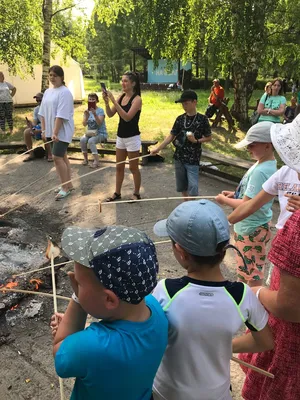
[(197, 226), (122, 258), (260, 132)]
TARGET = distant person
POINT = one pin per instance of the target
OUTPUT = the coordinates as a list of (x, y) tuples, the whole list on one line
[(56, 113), (94, 120), (253, 233), (290, 111), (34, 128), (272, 106), (284, 86), (115, 358), (128, 106), (268, 88), (294, 88), (7, 92), (189, 131), (205, 311), (217, 99)]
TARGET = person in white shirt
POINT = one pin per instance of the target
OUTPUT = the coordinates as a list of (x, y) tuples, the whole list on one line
[(7, 92), (56, 113), (204, 310), (285, 183)]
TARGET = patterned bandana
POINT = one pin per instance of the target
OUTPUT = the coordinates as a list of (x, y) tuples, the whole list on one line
[(285, 251), (123, 259)]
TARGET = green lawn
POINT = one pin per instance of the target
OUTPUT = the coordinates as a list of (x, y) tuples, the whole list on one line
[(157, 117)]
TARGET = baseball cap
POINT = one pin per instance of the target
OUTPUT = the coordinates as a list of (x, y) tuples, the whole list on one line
[(259, 132), (123, 259), (197, 226), (38, 95), (187, 95), (216, 80), (286, 140)]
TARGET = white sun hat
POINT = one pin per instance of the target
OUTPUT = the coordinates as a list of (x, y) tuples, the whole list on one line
[(286, 140)]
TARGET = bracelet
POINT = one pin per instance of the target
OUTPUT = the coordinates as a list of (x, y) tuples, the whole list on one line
[(75, 298), (257, 293)]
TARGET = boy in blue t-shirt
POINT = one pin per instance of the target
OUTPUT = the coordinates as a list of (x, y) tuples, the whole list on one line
[(116, 358)]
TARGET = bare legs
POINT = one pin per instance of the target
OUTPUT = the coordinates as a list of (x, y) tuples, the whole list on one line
[(63, 169), (121, 155)]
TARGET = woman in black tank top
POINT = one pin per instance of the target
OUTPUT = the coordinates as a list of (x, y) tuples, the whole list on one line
[(128, 106)]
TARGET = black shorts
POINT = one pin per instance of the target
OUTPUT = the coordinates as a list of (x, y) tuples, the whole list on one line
[(59, 148)]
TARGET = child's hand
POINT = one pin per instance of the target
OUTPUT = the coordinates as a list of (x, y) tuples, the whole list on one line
[(293, 202), (228, 193), (220, 198), (154, 151), (55, 321)]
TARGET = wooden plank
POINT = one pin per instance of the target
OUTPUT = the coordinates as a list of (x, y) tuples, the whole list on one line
[(227, 160), (12, 145), (221, 174)]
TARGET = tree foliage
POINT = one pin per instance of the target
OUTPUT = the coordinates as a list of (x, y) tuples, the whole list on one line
[(20, 40)]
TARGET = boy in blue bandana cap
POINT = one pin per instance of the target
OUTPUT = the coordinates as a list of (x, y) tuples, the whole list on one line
[(116, 358)]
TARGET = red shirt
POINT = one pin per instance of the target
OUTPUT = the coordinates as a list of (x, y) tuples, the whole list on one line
[(219, 92)]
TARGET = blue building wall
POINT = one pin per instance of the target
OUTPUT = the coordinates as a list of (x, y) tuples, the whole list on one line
[(162, 75)]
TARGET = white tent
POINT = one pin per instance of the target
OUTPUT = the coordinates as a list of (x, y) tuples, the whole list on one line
[(28, 86)]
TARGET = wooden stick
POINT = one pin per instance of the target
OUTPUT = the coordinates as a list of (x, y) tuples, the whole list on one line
[(25, 187), (25, 152), (41, 269), (259, 370), (71, 180), (53, 251), (35, 293), (154, 199)]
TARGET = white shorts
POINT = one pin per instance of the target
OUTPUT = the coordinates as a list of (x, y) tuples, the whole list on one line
[(130, 144)]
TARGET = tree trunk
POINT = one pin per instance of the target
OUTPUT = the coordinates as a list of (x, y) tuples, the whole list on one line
[(243, 83), (47, 14)]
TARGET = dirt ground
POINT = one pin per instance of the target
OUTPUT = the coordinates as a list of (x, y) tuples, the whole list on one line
[(26, 363)]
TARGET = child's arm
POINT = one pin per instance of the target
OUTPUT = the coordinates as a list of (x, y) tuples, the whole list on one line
[(254, 342), (229, 201), (73, 321), (249, 207), (164, 144)]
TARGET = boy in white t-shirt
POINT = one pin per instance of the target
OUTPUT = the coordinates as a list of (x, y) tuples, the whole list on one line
[(204, 310)]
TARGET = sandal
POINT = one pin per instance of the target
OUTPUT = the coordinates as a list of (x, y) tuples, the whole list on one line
[(94, 165), (62, 194), (60, 188), (137, 195), (50, 159), (114, 197), (84, 162)]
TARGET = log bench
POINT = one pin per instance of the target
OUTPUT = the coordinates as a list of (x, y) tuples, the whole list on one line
[(144, 147), (221, 159), (102, 150)]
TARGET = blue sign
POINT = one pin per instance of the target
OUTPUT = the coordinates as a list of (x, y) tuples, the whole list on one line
[(164, 73)]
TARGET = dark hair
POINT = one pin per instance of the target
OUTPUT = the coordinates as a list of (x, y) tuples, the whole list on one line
[(210, 260), (94, 95), (281, 84), (58, 71), (134, 77)]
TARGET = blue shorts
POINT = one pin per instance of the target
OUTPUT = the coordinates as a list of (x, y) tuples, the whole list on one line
[(186, 178)]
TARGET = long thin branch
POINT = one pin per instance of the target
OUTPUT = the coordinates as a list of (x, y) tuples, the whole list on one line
[(63, 9)]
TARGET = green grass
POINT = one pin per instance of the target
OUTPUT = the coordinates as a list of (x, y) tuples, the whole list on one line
[(158, 115)]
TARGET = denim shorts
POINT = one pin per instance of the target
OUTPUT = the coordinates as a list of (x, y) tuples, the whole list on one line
[(186, 178)]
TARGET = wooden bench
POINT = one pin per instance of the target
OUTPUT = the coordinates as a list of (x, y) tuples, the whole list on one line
[(220, 159), (144, 145)]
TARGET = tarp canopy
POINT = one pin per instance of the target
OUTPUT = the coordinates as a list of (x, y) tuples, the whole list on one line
[(29, 85)]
